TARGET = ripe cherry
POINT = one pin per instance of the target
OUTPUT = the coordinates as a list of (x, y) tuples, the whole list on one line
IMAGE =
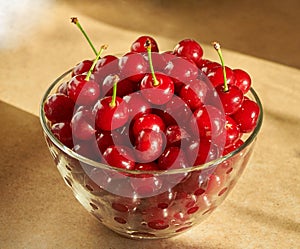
[(137, 105), (63, 132), (246, 117), (58, 108), (177, 136), (149, 145), (119, 156), (132, 66), (138, 45), (216, 76), (194, 93), (111, 111), (242, 80), (82, 67), (148, 121), (83, 124), (231, 96), (190, 49), (157, 88)]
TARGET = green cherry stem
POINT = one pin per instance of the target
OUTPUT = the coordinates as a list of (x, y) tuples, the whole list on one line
[(114, 94), (217, 47), (148, 47), (76, 22), (103, 47)]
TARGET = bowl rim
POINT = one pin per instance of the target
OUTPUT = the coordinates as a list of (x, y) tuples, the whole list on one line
[(96, 164)]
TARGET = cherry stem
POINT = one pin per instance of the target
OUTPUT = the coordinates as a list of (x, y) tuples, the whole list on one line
[(76, 22), (217, 47), (148, 47), (103, 47), (114, 95)]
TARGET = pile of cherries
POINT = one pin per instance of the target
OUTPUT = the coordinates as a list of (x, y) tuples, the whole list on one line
[(146, 109), (148, 112)]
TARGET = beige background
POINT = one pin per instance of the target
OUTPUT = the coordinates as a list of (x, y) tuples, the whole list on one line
[(38, 43)]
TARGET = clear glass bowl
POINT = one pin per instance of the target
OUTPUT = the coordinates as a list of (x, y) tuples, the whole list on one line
[(162, 212)]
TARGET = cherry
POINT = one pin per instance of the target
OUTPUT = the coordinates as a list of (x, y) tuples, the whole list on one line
[(58, 108), (119, 156), (157, 88), (232, 130), (231, 96), (216, 77), (208, 121), (82, 67), (81, 89), (233, 147), (177, 136), (204, 150), (108, 63), (149, 145), (63, 133), (242, 80), (246, 117), (194, 93), (132, 66), (172, 158), (231, 99), (83, 124), (138, 45), (125, 86), (87, 149), (104, 140), (159, 61), (176, 112), (111, 111), (181, 70), (146, 186), (190, 49), (209, 66), (148, 121), (137, 105), (63, 88)]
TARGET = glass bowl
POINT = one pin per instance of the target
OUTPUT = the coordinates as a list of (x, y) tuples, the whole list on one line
[(114, 196)]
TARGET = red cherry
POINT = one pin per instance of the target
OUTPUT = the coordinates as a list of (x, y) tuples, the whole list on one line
[(149, 145), (108, 63), (157, 91), (104, 140), (177, 136), (159, 61), (194, 93), (172, 158), (110, 117), (242, 80), (208, 122), (63, 88), (62, 131), (216, 76), (181, 70), (83, 125), (204, 150), (82, 91), (246, 117), (148, 121), (82, 67), (58, 108), (120, 157), (139, 44), (190, 49), (176, 112), (231, 99), (132, 66), (137, 105), (125, 86), (233, 147), (232, 131), (209, 66)]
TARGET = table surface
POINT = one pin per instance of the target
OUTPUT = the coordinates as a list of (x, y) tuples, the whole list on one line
[(38, 211)]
